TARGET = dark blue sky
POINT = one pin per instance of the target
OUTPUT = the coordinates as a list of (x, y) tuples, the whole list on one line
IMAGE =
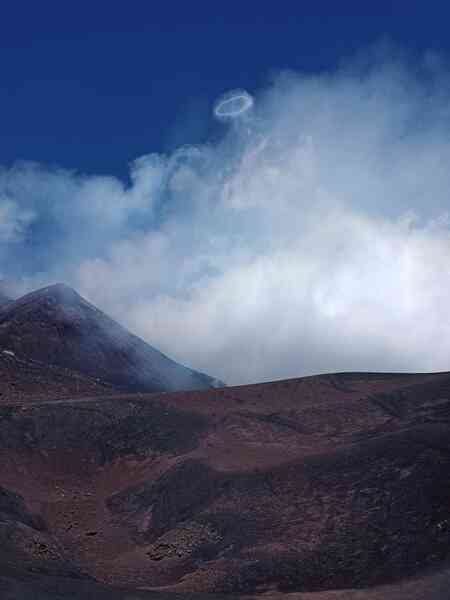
[(93, 86), (310, 236)]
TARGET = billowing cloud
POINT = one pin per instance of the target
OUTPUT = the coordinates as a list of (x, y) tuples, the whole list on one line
[(14, 221), (313, 236)]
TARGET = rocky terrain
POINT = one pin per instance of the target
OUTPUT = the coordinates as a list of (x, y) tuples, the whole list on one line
[(319, 488), (25, 380), (296, 487)]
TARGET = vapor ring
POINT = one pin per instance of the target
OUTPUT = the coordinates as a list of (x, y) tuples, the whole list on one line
[(232, 104)]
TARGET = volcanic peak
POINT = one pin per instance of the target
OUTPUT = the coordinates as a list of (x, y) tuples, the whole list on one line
[(55, 325)]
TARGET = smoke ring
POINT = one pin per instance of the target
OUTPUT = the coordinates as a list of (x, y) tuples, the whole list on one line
[(232, 104)]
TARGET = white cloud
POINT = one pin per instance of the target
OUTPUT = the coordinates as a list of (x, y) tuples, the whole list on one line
[(14, 220), (313, 237)]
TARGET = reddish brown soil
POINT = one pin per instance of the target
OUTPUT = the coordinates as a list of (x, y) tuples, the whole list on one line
[(308, 485)]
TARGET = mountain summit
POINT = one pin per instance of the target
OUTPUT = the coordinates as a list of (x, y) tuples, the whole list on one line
[(56, 326)]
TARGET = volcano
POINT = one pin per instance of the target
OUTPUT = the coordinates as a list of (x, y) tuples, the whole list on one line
[(115, 486), (56, 326)]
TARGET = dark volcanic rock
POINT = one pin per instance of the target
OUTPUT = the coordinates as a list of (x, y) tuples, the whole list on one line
[(26, 380), (380, 511), (26, 542), (105, 429), (16, 584), (180, 494), (56, 326), (298, 486), (12, 508)]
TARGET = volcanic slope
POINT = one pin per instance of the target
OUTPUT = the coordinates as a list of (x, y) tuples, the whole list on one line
[(26, 380), (299, 487), (58, 327)]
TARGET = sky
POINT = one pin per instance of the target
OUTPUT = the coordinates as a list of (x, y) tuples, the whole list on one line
[(310, 234)]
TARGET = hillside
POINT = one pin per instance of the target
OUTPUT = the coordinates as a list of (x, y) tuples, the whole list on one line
[(56, 326), (26, 380), (294, 487)]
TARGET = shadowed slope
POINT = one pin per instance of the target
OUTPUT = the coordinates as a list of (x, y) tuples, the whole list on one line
[(26, 542), (56, 326)]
